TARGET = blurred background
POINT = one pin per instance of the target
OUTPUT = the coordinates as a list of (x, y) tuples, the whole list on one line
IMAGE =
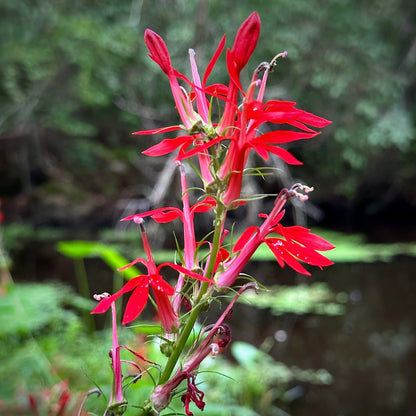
[(75, 82)]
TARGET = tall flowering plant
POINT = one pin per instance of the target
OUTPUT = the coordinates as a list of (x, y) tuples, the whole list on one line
[(218, 150)]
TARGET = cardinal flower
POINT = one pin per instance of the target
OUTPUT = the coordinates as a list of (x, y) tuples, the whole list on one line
[(216, 337), (167, 214), (290, 245), (201, 132), (139, 286), (196, 123), (237, 58), (245, 137), (160, 54)]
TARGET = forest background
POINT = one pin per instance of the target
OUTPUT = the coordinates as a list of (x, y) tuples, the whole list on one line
[(75, 81)]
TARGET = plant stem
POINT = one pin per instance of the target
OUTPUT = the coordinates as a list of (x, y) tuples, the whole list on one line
[(82, 280), (183, 338)]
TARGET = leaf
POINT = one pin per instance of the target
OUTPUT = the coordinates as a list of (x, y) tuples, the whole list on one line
[(246, 354), (79, 249)]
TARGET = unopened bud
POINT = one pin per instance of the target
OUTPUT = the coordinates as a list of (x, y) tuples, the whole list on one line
[(166, 348)]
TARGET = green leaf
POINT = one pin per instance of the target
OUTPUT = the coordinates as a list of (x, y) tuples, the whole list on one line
[(79, 249)]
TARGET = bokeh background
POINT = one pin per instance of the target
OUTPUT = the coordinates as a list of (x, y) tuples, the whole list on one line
[(75, 82)]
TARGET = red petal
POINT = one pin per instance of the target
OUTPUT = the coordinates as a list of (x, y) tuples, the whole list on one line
[(183, 154), (137, 302), (205, 205), (305, 237), (139, 260), (213, 60), (158, 284), (282, 136), (275, 220), (283, 154), (262, 152), (157, 131), (168, 145), (313, 120), (105, 303), (307, 254), (233, 71), (280, 253), (160, 215), (184, 271), (244, 238), (222, 256), (165, 311), (217, 90)]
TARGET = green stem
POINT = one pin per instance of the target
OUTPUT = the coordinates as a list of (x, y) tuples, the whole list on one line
[(183, 338), (82, 280)]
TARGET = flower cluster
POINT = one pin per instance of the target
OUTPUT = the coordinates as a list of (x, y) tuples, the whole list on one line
[(219, 150)]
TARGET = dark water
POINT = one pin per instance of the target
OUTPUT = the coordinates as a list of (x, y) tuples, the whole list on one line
[(370, 350)]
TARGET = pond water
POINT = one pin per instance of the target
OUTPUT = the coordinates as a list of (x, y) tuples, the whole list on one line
[(370, 350)]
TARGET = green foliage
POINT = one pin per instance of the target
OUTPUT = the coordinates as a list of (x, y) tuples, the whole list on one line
[(31, 307), (300, 299), (17, 236), (42, 340), (257, 385), (75, 75), (83, 249)]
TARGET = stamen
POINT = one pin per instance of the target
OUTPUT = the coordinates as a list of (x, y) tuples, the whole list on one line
[(273, 62), (101, 296), (293, 192), (261, 67), (267, 69), (138, 220)]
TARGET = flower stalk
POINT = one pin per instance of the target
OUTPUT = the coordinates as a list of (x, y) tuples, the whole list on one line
[(219, 152)]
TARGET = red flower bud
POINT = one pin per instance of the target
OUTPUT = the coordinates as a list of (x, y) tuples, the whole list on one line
[(246, 40), (158, 50)]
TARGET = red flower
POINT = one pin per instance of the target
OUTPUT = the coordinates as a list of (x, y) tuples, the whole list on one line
[(160, 54), (244, 138), (138, 299), (202, 134), (139, 286), (237, 58), (193, 394), (295, 245), (168, 214), (239, 125)]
